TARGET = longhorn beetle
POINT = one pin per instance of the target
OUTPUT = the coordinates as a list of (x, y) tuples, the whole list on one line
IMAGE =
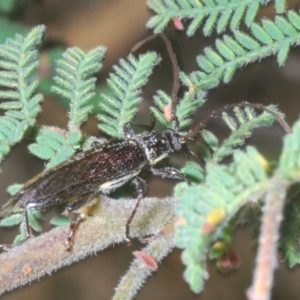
[(107, 166)]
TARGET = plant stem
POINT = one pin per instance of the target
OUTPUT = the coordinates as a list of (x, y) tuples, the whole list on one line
[(266, 259), (46, 253)]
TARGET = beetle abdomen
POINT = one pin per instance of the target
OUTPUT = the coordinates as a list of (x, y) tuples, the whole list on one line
[(103, 168)]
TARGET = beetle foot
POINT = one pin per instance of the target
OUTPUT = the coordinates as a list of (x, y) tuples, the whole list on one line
[(8, 247)]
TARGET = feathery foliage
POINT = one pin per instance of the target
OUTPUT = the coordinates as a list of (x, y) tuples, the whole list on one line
[(232, 53), (126, 83), (209, 207), (248, 121), (228, 188), (19, 60), (186, 107), (75, 82), (217, 14)]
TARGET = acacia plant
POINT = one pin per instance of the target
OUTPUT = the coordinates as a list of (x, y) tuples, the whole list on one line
[(208, 208)]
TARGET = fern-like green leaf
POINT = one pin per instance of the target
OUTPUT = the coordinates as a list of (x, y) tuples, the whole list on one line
[(231, 53), (52, 144), (248, 121), (126, 81), (237, 139), (19, 60), (213, 13), (75, 82), (186, 107), (204, 210)]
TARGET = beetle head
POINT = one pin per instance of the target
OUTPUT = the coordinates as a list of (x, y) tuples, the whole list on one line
[(158, 145)]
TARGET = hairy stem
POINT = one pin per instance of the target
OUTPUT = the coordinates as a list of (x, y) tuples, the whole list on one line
[(145, 263), (47, 253), (266, 257)]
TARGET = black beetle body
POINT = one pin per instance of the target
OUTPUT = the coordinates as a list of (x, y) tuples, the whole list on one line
[(103, 168)]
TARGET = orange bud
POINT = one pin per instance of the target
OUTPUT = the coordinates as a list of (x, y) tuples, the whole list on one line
[(167, 112), (147, 259), (229, 261), (180, 221), (178, 24)]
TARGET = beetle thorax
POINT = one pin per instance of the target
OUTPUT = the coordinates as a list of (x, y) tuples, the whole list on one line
[(158, 145)]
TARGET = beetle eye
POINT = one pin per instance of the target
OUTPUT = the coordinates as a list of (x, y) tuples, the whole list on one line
[(181, 140), (176, 144)]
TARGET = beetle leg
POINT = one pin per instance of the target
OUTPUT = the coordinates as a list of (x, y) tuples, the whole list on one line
[(96, 142), (75, 221), (168, 172), (141, 188), (27, 230), (78, 211), (128, 132)]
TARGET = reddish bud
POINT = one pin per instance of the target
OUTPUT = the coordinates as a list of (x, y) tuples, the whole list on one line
[(27, 269), (229, 261), (181, 221), (147, 259), (178, 24), (168, 112), (208, 228), (213, 219)]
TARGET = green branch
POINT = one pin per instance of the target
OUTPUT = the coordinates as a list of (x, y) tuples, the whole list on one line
[(25, 264)]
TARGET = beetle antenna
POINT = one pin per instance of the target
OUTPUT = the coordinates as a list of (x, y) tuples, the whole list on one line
[(143, 42), (176, 83), (215, 113), (176, 70)]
